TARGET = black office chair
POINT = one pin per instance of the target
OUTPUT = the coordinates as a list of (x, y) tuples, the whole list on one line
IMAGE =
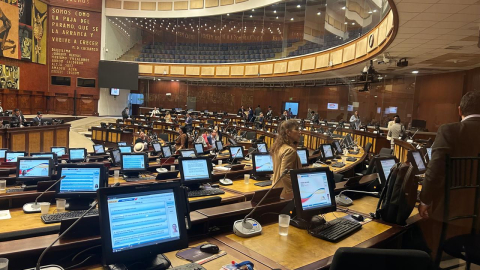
[(461, 174), (338, 177), (163, 136), (205, 203), (347, 258), (367, 148), (386, 152)]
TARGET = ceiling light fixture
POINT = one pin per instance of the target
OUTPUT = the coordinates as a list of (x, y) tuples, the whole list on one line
[(415, 72), (318, 13), (343, 8)]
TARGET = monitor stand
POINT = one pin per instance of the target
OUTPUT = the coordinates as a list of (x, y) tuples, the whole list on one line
[(78, 204), (131, 175), (158, 262), (260, 177)]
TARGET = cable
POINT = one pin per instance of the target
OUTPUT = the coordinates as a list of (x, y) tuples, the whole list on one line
[(84, 251), (82, 262)]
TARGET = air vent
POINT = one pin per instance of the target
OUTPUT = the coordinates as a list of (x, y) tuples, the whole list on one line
[(453, 47)]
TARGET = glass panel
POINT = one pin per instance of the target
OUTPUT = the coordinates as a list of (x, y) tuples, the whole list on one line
[(314, 27), (232, 36)]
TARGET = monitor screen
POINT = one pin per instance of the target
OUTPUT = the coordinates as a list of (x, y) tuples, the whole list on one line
[(167, 152), (79, 179), (302, 153), (142, 219), (34, 168), (156, 147), (293, 106), (133, 162), (195, 170), (332, 106), (348, 139), (188, 153), (116, 156), (429, 153), (419, 161), (327, 151), (199, 148), (236, 152), (387, 165), (122, 144), (350, 108), (314, 190), (99, 149), (338, 146), (60, 151), (76, 154), (12, 156), (114, 91), (219, 145), (262, 148), (263, 163), (2, 153), (47, 155), (125, 149)]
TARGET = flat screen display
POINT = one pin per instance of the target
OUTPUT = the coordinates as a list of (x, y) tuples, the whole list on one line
[(80, 180), (12, 157), (195, 169), (114, 91), (156, 147), (99, 149), (116, 156), (350, 108), (393, 109), (199, 148), (60, 151), (219, 145), (332, 106), (429, 153), (338, 146), (167, 152), (419, 161), (136, 98), (293, 106), (263, 163), (302, 153), (122, 144), (2, 153), (47, 155), (262, 148), (387, 165), (142, 219), (125, 149), (188, 153), (34, 168), (115, 74), (133, 162), (236, 152), (327, 151), (77, 154), (314, 190)]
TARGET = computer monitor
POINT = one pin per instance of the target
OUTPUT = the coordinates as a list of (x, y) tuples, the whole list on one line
[(236, 152), (51, 155), (188, 153), (303, 154), (59, 150), (80, 184), (116, 157), (383, 167), (327, 151), (157, 147), (313, 192), (133, 163), (166, 151), (77, 154), (99, 149), (11, 156), (199, 148), (337, 146), (132, 233), (348, 141), (125, 149), (219, 145), (33, 169), (262, 148), (417, 161), (2, 153), (119, 144), (429, 153), (194, 171), (262, 164)]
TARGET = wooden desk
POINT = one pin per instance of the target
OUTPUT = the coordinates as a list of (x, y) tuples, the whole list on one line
[(35, 139), (401, 149), (228, 197)]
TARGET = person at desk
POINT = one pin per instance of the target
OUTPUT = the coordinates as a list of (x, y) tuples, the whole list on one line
[(142, 138), (456, 140), (241, 112), (284, 116), (213, 137), (188, 122), (168, 117), (284, 155), (38, 119), (258, 110), (125, 113), (182, 140), (203, 139), (259, 120), (290, 113), (395, 131), (1, 108), (250, 114), (355, 121), (154, 112), (18, 117), (390, 123), (269, 113)]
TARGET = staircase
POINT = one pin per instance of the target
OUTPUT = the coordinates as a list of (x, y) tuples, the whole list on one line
[(294, 47), (133, 53)]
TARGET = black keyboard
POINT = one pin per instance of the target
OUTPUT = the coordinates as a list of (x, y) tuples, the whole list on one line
[(11, 190), (205, 192), (336, 229), (134, 179), (264, 183), (58, 217), (351, 159), (338, 165)]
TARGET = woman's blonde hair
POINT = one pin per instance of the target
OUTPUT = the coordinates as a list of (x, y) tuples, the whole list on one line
[(282, 137)]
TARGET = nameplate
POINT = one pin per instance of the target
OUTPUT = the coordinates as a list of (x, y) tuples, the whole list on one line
[(323, 124)]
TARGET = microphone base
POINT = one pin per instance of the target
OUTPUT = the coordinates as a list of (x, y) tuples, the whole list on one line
[(30, 208), (48, 267), (249, 229)]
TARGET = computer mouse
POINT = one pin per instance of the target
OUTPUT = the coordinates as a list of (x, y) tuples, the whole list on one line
[(343, 200), (162, 170), (209, 248), (358, 218), (226, 182)]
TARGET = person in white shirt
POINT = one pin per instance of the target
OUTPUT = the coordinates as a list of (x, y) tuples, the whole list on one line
[(154, 112), (1, 108), (355, 121)]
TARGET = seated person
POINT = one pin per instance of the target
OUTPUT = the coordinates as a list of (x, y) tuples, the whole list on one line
[(259, 121), (203, 138), (154, 112), (284, 116), (38, 119), (18, 117), (125, 113), (212, 138), (142, 138), (168, 117)]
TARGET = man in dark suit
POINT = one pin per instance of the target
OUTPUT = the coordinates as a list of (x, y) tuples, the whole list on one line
[(38, 119), (17, 117), (456, 140), (125, 113)]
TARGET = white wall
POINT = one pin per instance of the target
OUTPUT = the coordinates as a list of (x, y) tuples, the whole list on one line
[(118, 42), (109, 105)]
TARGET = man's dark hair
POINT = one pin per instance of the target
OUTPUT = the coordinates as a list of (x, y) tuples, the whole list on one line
[(397, 120), (470, 103), (16, 110), (312, 112), (184, 129), (39, 112)]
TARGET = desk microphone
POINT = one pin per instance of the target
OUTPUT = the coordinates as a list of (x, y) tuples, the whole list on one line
[(226, 181), (343, 200), (248, 227), (161, 169), (56, 267), (29, 208)]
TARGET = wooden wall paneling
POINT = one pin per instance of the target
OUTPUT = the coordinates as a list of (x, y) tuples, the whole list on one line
[(180, 5), (226, 2), (47, 140), (34, 142), (266, 69), (223, 71), (62, 104), (280, 67), (251, 70), (165, 6), (361, 48), (87, 105), (382, 32), (177, 70), (336, 57), (24, 103), (192, 71), (18, 142), (211, 3), (3, 138), (61, 137), (372, 40), (349, 53), (130, 5), (147, 69), (308, 63), (294, 65), (162, 70), (237, 70), (196, 4), (208, 71), (322, 60), (113, 4), (152, 6), (10, 100)]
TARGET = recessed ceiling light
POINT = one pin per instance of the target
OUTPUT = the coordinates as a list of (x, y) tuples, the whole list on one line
[(298, 6), (343, 8), (353, 23), (291, 19), (276, 18), (318, 13), (274, 11), (345, 23), (374, 10), (253, 9), (177, 80), (228, 14), (173, 80), (251, 16), (415, 71)]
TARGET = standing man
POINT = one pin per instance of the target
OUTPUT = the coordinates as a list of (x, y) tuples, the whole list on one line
[(355, 121), (250, 114), (38, 119), (258, 110), (18, 117), (395, 131), (269, 113), (188, 122), (241, 112), (125, 113)]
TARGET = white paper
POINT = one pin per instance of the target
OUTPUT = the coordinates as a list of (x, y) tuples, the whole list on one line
[(5, 214)]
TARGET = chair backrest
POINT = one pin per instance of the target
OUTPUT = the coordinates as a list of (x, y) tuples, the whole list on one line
[(205, 203), (163, 136), (367, 148), (380, 259), (386, 152)]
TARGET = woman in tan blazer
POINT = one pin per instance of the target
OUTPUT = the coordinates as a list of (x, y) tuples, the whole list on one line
[(284, 155)]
